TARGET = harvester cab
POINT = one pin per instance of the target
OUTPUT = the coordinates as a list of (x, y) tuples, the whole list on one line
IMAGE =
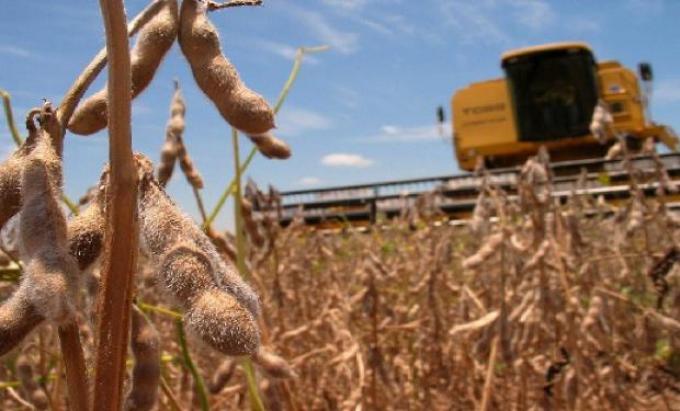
[(547, 98)]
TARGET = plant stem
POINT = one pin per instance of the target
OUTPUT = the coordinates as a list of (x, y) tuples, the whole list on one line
[(199, 203), (168, 393), (74, 361), (256, 402), (121, 227), (253, 392), (73, 208), (7, 104), (488, 379), (299, 55), (228, 191), (189, 363), (160, 310), (238, 216)]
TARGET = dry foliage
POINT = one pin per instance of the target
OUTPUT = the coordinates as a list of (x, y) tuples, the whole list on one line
[(534, 305)]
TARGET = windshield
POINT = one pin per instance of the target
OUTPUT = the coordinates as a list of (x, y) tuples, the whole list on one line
[(554, 93)]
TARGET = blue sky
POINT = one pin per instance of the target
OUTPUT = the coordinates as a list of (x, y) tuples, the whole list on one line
[(363, 111)]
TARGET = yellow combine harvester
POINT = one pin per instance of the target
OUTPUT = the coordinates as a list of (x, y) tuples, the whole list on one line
[(552, 95), (547, 98)]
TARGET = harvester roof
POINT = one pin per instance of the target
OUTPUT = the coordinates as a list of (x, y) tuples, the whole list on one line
[(544, 48)]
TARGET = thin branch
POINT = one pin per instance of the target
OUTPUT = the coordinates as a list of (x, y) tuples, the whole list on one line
[(174, 404), (121, 226), (89, 74), (212, 5), (488, 379), (15, 395)]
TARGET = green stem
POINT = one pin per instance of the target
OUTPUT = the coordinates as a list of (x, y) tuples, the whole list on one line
[(228, 191), (253, 393), (73, 208), (198, 380), (238, 217), (299, 55), (7, 103), (255, 400), (160, 310)]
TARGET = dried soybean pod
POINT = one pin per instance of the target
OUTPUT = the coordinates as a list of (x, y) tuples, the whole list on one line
[(223, 323), (216, 76), (270, 146), (250, 223), (187, 165), (163, 227), (10, 173), (272, 364), (173, 130), (18, 317), (167, 162), (86, 233), (34, 393), (10, 192), (153, 42), (222, 376), (51, 273), (186, 272), (146, 374), (220, 307), (223, 245)]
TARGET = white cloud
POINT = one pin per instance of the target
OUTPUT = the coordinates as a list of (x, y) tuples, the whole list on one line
[(645, 7), (392, 133), (472, 21), (347, 96), (294, 121), (347, 5), (343, 41), (584, 25), (309, 181), (666, 91), (14, 51), (533, 14), (486, 21), (346, 160)]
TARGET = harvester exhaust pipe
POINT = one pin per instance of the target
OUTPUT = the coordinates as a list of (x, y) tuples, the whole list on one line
[(647, 76)]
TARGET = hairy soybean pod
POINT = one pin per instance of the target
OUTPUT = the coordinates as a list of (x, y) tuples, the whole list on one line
[(51, 277), (18, 317), (220, 307), (154, 41), (86, 234), (216, 76), (270, 146), (146, 374)]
